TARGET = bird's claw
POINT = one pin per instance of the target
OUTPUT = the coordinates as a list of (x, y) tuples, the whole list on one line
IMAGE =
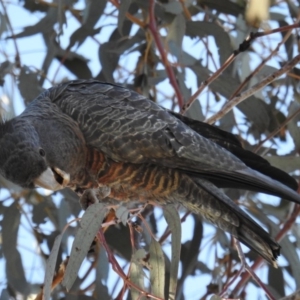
[(92, 196)]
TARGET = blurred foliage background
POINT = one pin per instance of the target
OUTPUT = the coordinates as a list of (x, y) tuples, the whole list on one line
[(164, 56)]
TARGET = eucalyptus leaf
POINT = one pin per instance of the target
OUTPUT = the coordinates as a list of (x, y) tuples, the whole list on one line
[(157, 269), (173, 220), (50, 268), (89, 226)]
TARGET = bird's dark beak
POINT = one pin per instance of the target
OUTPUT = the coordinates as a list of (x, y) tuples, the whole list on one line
[(52, 179)]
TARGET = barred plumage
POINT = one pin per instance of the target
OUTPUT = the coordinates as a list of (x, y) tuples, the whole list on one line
[(118, 144)]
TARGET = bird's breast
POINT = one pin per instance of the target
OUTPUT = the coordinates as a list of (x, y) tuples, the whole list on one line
[(127, 181)]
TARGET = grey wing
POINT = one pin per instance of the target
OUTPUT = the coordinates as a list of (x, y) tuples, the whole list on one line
[(128, 127)]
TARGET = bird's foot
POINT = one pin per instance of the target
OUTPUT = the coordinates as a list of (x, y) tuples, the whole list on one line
[(92, 196)]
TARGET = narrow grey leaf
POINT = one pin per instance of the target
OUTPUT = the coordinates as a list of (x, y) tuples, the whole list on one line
[(63, 214), (290, 253), (61, 17), (173, 220), (256, 111), (204, 28), (293, 124), (273, 291), (118, 238), (44, 25), (29, 78), (75, 63), (91, 14), (122, 214), (173, 7), (276, 281), (276, 16), (102, 271), (176, 31), (157, 269), (123, 9), (185, 58), (3, 24), (4, 295), (195, 111), (109, 61), (15, 274), (93, 11), (293, 8), (225, 6), (5, 68), (139, 255), (50, 267), (136, 274), (89, 226), (43, 207), (102, 265)]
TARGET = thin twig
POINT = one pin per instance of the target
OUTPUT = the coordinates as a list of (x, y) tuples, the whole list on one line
[(279, 29), (274, 132), (260, 283), (249, 270), (18, 57), (230, 282), (130, 17), (241, 270), (242, 47), (246, 94), (155, 33), (186, 12), (260, 66), (57, 279), (286, 227), (240, 253), (116, 267), (207, 82)]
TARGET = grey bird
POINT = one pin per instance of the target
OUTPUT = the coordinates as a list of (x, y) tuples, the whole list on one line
[(89, 135)]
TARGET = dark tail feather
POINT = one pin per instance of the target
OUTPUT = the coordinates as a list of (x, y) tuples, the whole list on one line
[(249, 179), (267, 185), (230, 142), (224, 213)]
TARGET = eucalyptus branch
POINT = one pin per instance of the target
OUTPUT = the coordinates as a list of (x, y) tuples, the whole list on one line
[(286, 227), (157, 39), (116, 267), (246, 94), (245, 45)]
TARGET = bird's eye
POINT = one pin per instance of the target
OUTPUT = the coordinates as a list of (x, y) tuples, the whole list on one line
[(42, 152)]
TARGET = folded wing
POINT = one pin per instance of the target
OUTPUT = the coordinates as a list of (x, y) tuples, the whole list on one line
[(128, 127)]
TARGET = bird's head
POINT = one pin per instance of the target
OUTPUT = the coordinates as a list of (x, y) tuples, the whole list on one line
[(23, 160)]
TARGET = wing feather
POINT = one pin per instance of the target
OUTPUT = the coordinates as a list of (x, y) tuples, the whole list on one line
[(128, 127)]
